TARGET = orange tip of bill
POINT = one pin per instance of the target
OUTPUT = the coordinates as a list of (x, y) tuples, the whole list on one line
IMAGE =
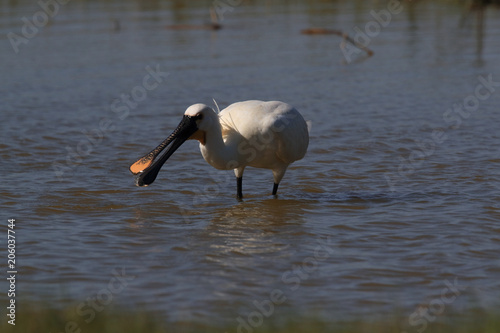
[(141, 165)]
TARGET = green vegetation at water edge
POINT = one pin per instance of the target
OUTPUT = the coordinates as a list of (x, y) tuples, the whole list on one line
[(44, 319)]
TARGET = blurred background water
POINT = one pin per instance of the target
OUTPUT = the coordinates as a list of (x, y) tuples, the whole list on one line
[(399, 182)]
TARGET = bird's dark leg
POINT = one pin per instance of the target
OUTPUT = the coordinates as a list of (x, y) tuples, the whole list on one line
[(239, 190), (275, 188)]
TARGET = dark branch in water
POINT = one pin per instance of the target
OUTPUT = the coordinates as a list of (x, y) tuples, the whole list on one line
[(209, 26)]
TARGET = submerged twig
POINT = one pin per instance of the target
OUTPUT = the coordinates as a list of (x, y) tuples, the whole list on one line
[(208, 26)]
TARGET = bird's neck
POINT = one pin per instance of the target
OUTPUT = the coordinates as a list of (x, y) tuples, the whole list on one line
[(220, 154)]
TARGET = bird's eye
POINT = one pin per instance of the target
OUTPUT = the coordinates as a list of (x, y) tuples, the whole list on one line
[(198, 116)]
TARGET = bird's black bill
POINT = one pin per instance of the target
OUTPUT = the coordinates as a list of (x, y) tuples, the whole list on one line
[(148, 166)]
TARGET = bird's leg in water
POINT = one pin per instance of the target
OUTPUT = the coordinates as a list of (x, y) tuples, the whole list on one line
[(239, 191), (275, 188)]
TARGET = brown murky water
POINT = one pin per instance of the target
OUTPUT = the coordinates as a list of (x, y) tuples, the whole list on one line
[(397, 198)]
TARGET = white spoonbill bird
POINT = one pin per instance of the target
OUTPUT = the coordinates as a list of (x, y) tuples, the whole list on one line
[(268, 135)]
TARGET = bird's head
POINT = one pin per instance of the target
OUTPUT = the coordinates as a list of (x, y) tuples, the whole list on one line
[(204, 116), (196, 120)]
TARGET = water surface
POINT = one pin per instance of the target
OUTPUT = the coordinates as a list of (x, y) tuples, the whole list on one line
[(400, 193)]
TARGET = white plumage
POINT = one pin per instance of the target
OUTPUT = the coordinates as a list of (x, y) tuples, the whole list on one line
[(269, 135)]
